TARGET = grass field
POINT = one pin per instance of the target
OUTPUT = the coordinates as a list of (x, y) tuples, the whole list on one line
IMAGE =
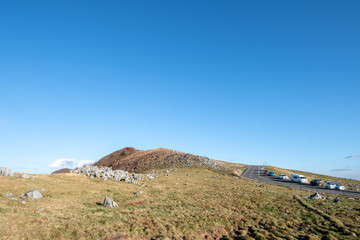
[(191, 203)]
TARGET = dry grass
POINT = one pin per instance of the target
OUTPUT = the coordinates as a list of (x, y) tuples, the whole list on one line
[(210, 205)]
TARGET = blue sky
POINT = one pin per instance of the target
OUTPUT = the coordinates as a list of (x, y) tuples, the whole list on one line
[(248, 82)]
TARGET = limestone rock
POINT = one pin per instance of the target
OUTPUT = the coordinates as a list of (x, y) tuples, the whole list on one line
[(6, 172), (8, 195), (108, 202), (33, 194), (315, 196), (25, 176)]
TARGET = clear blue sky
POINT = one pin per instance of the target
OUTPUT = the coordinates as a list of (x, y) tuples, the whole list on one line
[(241, 81)]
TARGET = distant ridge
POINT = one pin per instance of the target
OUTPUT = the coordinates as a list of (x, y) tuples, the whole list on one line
[(63, 170), (134, 160)]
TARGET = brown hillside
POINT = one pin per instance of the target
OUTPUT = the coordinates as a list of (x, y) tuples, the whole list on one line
[(134, 160), (63, 170)]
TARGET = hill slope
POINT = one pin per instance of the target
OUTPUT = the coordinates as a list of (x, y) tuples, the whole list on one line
[(189, 203)]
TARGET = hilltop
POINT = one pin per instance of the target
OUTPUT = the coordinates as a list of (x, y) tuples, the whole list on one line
[(134, 160)]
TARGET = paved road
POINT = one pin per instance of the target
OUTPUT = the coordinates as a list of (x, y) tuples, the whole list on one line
[(256, 173)]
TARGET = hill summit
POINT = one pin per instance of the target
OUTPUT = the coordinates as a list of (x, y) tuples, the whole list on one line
[(134, 160)]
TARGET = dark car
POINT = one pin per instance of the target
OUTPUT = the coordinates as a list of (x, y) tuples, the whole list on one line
[(266, 171), (271, 174), (316, 182)]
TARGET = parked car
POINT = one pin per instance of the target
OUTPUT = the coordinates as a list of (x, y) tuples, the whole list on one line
[(316, 182), (282, 176), (339, 187), (271, 174), (335, 185), (266, 171), (298, 178)]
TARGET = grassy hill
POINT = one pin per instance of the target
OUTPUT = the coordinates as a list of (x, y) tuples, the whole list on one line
[(189, 203), (134, 160)]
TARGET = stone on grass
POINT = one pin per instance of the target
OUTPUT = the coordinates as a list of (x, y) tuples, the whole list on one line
[(33, 194), (8, 195), (315, 196), (42, 189), (336, 200), (108, 202), (25, 176), (23, 202)]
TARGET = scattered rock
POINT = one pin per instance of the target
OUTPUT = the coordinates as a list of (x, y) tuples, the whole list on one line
[(6, 172), (107, 173), (336, 200), (138, 193), (14, 199), (186, 184), (8, 195), (261, 185), (33, 194), (23, 202), (328, 198), (350, 198), (42, 189), (143, 185), (315, 196), (25, 176), (41, 209), (108, 202)]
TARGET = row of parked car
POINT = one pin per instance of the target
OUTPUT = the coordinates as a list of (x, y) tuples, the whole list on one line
[(302, 179)]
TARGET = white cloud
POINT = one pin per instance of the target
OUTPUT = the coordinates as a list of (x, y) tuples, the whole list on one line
[(353, 156), (62, 162), (70, 163), (81, 163)]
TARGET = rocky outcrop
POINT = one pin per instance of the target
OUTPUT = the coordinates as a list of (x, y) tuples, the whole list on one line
[(108, 173), (6, 172)]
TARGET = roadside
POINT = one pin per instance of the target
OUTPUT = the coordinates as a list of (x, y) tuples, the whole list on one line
[(257, 173)]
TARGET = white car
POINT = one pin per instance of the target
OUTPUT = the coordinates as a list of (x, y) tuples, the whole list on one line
[(298, 178), (282, 176), (334, 185)]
